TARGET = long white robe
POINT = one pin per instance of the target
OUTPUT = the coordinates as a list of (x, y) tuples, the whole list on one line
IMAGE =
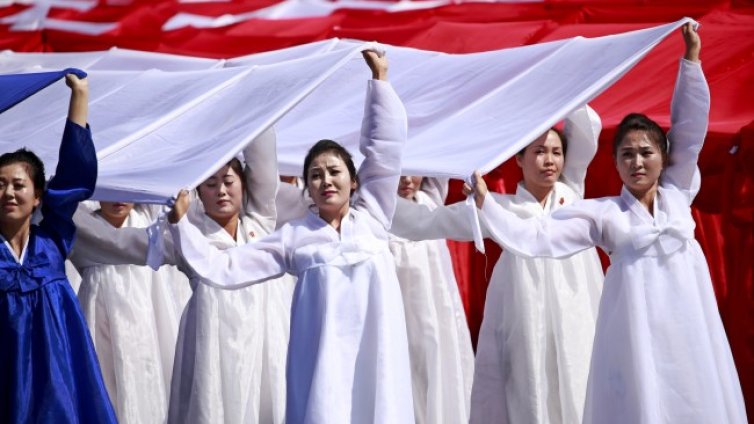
[(660, 351), (442, 359), (534, 347), (132, 313), (231, 351), (348, 354)]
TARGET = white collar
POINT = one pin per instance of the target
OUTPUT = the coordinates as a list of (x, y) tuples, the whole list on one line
[(20, 260)]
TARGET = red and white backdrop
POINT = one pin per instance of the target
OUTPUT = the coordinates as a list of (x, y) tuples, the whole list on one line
[(724, 209)]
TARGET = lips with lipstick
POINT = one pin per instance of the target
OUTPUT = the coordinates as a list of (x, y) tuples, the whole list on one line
[(9, 206)]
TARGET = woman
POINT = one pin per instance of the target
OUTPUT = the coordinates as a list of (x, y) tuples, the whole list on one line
[(231, 351), (660, 350), (132, 311), (348, 355), (49, 370), (442, 360), (535, 341)]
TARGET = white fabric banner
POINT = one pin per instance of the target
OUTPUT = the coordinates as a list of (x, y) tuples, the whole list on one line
[(158, 131)]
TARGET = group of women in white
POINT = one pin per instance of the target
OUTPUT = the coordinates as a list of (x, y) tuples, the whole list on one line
[(337, 304)]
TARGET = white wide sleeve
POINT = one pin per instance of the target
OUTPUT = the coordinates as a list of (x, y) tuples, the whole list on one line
[(383, 135), (582, 131), (565, 232), (418, 222), (98, 243), (689, 116), (232, 268), (261, 178)]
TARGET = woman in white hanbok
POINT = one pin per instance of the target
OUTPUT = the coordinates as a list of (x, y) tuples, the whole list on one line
[(442, 359), (132, 311), (230, 355), (660, 350), (348, 354), (231, 351), (535, 342)]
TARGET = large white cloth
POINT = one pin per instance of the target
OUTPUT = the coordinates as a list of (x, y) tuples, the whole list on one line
[(660, 350), (348, 354), (231, 351), (442, 359), (132, 313), (204, 117), (535, 342)]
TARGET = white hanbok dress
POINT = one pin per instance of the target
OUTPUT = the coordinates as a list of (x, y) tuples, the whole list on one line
[(132, 313), (231, 352), (660, 351), (534, 348), (348, 355), (442, 359)]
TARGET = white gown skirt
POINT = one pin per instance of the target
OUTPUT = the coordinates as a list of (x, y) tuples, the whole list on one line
[(133, 315), (230, 359)]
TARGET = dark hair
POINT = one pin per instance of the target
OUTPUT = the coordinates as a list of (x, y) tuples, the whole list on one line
[(236, 166), (34, 166), (561, 135), (329, 146), (640, 122)]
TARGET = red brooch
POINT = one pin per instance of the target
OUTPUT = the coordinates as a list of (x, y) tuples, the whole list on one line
[(562, 200), (251, 233)]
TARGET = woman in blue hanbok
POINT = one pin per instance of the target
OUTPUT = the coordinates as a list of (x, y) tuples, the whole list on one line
[(49, 370)]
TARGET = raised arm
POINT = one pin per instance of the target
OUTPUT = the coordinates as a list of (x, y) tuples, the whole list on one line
[(383, 134), (76, 172), (231, 268), (261, 178), (689, 115), (98, 243), (582, 130), (417, 222), (565, 232)]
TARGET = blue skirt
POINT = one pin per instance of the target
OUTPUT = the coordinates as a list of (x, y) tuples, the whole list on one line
[(49, 371)]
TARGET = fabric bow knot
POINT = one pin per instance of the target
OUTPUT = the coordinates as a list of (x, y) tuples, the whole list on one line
[(26, 277), (670, 236)]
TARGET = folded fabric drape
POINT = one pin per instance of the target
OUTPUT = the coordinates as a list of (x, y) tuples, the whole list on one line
[(17, 87), (157, 131)]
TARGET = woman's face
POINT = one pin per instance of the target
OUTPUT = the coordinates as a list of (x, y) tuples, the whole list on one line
[(408, 186), (329, 183), (222, 194), (639, 162), (542, 161), (17, 195), (115, 212)]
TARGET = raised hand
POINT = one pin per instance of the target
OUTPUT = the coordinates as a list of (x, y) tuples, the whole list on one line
[(78, 108), (179, 208), (692, 40), (377, 63), (479, 190)]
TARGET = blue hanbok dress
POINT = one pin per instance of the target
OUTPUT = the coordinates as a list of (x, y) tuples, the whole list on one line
[(48, 367)]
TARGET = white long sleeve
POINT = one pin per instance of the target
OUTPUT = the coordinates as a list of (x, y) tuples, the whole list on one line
[(563, 233), (99, 243), (262, 180), (383, 134), (418, 222), (230, 268), (582, 130), (689, 119)]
